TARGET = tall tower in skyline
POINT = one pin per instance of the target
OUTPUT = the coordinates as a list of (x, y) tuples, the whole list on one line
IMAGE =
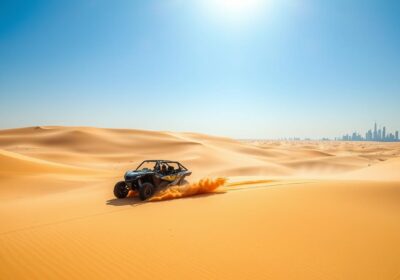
[(375, 132), (384, 133)]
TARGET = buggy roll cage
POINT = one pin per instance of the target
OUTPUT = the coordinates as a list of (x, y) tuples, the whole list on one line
[(159, 162)]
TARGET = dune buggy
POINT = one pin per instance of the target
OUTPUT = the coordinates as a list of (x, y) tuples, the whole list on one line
[(151, 175)]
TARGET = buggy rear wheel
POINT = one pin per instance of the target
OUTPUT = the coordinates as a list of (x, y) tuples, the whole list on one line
[(146, 191), (121, 190), (183, 182)]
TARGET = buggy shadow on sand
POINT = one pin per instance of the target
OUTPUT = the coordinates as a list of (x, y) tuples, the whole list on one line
[(151, 175)]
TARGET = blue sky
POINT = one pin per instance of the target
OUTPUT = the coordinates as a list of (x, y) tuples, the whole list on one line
[(277, 69)]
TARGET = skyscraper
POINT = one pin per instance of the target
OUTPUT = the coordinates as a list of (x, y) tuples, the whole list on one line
[(368, 135), (375, 132), (384, 133), (397, 135)]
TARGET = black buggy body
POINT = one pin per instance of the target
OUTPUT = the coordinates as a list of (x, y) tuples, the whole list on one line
[(150, 175)]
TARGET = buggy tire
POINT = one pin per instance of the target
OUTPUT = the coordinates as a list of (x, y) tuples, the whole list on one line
[(163, 185), (146, 191), (121, 190), (183, 182)]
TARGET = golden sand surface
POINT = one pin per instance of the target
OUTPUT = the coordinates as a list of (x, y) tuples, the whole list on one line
[(252, 210)]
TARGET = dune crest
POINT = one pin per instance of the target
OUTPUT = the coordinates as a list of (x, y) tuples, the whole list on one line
[(203, 186), (118, 150), (383, 171), (12, 163)]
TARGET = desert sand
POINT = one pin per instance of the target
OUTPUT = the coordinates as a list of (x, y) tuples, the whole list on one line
[(252, 210)]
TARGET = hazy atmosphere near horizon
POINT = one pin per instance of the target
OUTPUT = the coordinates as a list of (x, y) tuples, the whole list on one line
[(265, 69)]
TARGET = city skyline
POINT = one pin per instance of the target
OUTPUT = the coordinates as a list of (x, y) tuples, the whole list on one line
[(379, 134)]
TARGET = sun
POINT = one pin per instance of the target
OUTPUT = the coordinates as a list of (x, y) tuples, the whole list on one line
[(234, 10)]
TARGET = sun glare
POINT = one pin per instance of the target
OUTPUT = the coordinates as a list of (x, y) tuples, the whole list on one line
[(234, 10)]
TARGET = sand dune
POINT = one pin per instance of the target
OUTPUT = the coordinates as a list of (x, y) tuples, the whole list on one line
[(18, 164), (384, 171), (280, 210), (118, 149)]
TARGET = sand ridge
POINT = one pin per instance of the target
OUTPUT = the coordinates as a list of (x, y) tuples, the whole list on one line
[(121, 149)]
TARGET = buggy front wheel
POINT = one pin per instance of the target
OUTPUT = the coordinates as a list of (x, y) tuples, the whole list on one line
[(121, 190)]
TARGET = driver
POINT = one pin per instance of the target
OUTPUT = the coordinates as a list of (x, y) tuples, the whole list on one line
[(164, 169)]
